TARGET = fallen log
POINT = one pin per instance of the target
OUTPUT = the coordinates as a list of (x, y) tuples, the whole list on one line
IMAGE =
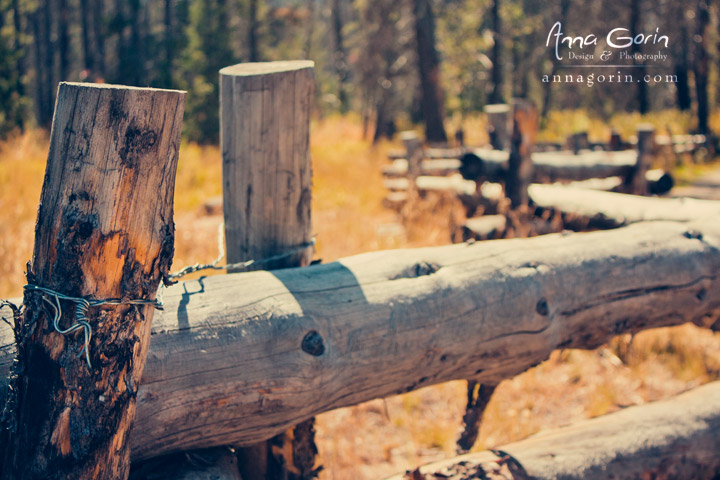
[(585, 208), (238, 358), (674, 438)]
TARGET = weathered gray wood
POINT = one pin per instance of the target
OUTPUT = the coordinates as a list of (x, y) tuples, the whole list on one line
[(674, 438), (499, 125), (104, 231), (486, 227), (265, 135), (598, 209), (267, 181), (548, 167), (430, 153), (238, 358), (522, 142)]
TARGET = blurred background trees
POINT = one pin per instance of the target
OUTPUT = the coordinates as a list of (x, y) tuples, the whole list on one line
[(393, 62)]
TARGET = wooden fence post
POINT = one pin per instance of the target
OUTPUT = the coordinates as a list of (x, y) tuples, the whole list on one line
[(498, 125), (104, 231), (265, 138), (520, 169), (413, 154), (637, 183), (579, 141)]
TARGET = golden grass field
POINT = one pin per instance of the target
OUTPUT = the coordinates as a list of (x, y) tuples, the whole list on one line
[(383, 437)]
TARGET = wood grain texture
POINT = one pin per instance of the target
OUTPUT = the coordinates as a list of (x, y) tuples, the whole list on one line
[(104, 230), (267, 180), (265, 137), (227, 364), (585, 208), (672, 438)]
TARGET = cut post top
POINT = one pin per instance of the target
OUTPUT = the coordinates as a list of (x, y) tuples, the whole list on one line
[(109, 86), (264, 68), (497, 108)]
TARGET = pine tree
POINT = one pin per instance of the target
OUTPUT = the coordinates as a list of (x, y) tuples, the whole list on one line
[(14, 105), (208, 49)]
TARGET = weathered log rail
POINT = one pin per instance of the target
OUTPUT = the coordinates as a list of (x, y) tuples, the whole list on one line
[(671, 438), (235, 359)]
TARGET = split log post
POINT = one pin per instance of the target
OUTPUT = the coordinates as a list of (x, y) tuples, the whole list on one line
[(104, 231), (499, 125), (520, 168), (637, 183), (267, 191)]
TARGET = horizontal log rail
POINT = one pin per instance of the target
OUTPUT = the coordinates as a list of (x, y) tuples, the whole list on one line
[(598, 209), (235, 359), (671, 438)]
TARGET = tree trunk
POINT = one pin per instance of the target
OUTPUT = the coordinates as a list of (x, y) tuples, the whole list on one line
[(86, 35), (340, 57), (266, 151), (104, 231), (64, 39), (547, 98), (701, 67), (166, 76), (497, 95), (253, 49), (433, 107), (99, 32), (636, 25)]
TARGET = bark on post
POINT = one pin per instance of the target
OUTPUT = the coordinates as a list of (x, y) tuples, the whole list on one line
[(266, 196), (520, 169), (637, 182), (498, 125), (104, 231)]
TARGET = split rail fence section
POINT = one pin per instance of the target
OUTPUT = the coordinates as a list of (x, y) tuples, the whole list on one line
[(238, 359)]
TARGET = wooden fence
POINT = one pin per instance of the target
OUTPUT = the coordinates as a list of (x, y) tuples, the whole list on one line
[(238, 359)]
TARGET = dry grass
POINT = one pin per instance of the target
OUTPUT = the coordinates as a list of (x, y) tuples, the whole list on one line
[(386, 436)]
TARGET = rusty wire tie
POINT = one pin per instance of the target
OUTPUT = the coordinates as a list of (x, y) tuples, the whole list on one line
[(81, 312), (83, 304), (173, 277)]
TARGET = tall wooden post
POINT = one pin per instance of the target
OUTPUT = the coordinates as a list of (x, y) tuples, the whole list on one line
[(522, 142), (637, 183), (499, 125), (104, 231), (265, 137)]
